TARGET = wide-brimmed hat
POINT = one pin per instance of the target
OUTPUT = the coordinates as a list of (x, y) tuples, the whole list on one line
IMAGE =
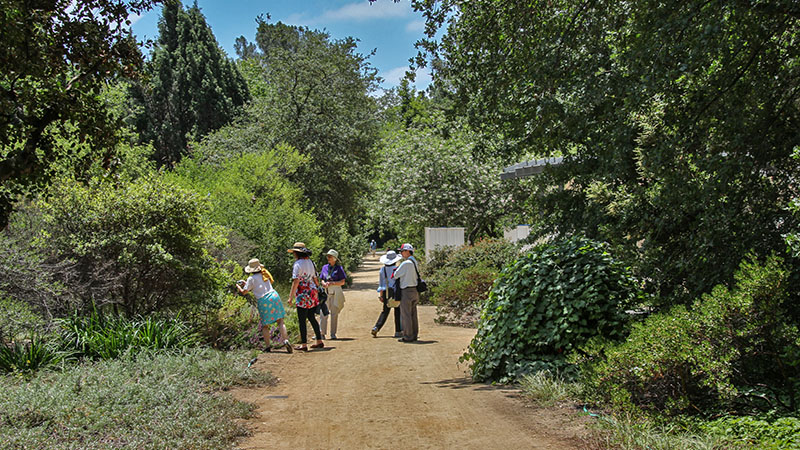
[(333, 253), (390, 258), (299, 247), (253, 266), (408, 247)]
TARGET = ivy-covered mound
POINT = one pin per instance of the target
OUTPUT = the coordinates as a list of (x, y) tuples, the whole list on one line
[(548, 302)]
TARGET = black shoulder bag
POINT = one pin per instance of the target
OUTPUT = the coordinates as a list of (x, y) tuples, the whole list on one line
[(422, 286), (322, 295)]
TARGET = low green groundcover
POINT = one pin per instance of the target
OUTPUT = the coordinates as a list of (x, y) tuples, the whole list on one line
[(148, 401)]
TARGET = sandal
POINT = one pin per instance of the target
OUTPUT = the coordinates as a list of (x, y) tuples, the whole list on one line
[(320, 345), (301, 348)]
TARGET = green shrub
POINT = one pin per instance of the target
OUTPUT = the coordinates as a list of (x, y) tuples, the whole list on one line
[(459, 298), (28, 356), (231, 325), (758, 432), (153, 401), (548, 302), (17, 318), (734, 349), (251, 194), (460, 278), (491, 253), (140, 246), (105, 337)]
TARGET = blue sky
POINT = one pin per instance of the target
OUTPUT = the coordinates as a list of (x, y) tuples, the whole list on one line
[(388, 27)]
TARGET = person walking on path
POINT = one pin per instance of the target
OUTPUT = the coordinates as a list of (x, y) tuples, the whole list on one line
[(406, 279), (332, 278), (304, 294), (386, 292), (372, 247), (270, 307)]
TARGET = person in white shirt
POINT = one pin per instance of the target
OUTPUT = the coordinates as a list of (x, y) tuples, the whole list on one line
[(406, 279), (270, 307), (304, 294)]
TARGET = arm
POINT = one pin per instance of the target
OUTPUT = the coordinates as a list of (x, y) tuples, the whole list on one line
[(382, 279), (293, 291), (248, 286)]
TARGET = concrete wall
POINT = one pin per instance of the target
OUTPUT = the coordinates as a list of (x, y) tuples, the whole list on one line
[(443, 237), (517, 234)]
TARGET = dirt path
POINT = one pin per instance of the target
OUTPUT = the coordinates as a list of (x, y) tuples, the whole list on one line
[(365, 392)]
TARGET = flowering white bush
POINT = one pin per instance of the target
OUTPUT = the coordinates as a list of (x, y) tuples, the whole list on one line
[(437, 181)]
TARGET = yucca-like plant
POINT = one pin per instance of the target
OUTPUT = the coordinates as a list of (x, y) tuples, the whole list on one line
[(28, 356), (101, 337)]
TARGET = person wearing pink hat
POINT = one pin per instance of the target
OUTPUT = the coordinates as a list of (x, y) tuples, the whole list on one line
[(406, 276)]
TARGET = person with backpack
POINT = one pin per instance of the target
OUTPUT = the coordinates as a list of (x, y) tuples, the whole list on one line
[(406, 278), (304, 294), (387, 293), (332, 277)]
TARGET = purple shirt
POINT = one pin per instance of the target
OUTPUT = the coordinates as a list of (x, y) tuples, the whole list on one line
[(335, 273)]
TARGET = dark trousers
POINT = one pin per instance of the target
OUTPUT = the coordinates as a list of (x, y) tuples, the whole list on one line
[(304, 314), (385, 315)]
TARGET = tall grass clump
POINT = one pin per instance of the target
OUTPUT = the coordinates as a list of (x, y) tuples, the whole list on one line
[(104, 337), (26, 357), (548, 389)]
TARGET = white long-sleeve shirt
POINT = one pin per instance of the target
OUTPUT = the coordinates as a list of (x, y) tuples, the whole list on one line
[(406, 273)]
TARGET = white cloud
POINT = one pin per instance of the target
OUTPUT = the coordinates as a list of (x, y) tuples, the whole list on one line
[(415, 26), (364, 10), (360, 11), (392, 77), (134, 18)]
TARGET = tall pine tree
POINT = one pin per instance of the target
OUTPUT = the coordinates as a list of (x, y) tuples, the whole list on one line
[(193, 87)]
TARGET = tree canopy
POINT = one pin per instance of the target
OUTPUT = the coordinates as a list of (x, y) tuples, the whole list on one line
[(192, 89), (56, 57), (676, 120), (313, 92)]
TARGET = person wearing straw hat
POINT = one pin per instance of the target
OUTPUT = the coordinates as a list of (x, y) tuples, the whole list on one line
[(270, 307), (333, 278), (406, 279), (387, 294), (304, 294)]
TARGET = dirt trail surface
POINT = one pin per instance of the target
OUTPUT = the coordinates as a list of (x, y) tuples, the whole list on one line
[(364, 392)]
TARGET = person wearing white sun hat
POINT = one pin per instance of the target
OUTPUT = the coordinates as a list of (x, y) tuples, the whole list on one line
[(270, 307), (332, 277), (406, 279), (387, 294)]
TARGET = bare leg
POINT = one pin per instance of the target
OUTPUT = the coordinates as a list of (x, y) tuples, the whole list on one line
[(282, 327)]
